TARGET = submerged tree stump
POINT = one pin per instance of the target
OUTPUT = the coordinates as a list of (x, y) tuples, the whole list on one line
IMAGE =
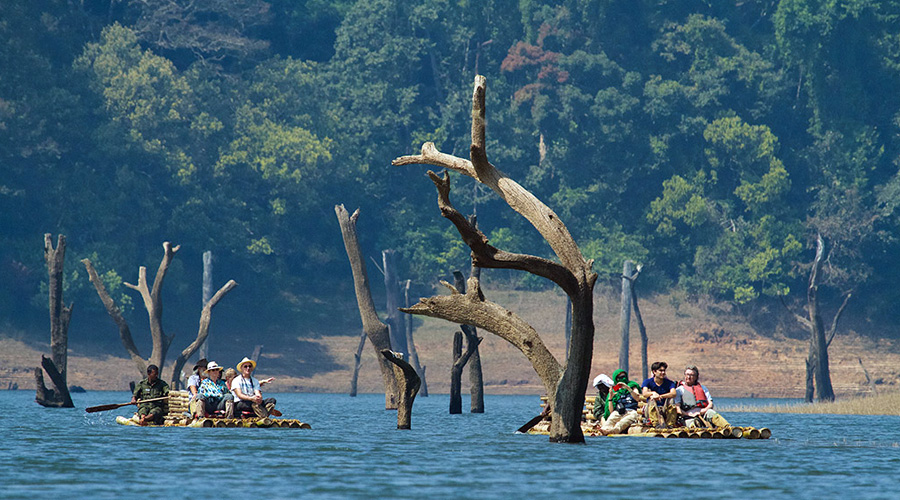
[(408, 383), (56, 366)]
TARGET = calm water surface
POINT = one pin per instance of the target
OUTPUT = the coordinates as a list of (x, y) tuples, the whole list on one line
[(355, 451)]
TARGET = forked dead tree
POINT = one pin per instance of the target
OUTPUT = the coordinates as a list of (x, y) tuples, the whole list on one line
[(56, 365), (565, 387), (476, 377), (460, 360), (354, 378), (818, 374), (153, 304), (376, 330), (645, 363), (625, 317)]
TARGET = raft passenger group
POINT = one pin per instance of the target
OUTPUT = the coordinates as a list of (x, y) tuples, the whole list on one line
[(239, 394), (667, 404)]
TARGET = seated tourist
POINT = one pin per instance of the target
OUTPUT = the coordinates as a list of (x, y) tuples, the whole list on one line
[(694, 403), (193, 385), (622, 405), (151, 387), (215, 394), (247, 394), (661, 390), (602, 382)]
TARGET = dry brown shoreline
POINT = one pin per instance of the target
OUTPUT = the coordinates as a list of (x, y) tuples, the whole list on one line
[(735, 361)]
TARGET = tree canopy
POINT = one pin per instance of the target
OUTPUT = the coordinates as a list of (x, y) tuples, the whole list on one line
[(710, 140)]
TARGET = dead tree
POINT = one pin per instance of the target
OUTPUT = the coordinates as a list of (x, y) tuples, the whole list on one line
[(413, 352), (60, 315), (202, 333), (356, 359), (378, 333), (476, 378), (460, 360), (625, 317), (645, 363), (818, 375), (394, 320), (408, 383), (153, 304), (207, 295), (565, 387)]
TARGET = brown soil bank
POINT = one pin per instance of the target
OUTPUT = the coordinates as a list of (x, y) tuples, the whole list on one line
[(734, 360)]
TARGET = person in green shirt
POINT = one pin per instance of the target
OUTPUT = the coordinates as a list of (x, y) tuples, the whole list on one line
[(150, 388)]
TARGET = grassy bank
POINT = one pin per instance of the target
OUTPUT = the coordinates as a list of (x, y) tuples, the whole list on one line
[(880, 404)]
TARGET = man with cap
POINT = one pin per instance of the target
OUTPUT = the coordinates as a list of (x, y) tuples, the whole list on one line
[(150, 388), (602, 382), (247, 394), (214, 394), (196, 378)]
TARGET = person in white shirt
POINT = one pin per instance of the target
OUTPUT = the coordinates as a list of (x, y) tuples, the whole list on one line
[(246, 392)]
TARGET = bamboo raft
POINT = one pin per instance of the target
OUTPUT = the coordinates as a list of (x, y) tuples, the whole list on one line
[(590, 427), (178, 415)]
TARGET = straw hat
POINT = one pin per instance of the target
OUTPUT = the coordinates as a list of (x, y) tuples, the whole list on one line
[(247, 360), (213, 366)]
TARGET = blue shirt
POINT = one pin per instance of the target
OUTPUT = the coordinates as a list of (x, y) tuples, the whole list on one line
[(667, 385)]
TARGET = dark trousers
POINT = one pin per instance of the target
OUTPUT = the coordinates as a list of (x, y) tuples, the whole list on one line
[(242, 405)]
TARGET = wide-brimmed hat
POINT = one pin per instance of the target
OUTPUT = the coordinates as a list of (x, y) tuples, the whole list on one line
[(246, 360), (603, 379), (201, 364), (213, 366)]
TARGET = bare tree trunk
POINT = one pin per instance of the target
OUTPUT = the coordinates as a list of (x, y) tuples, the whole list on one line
[(377, 331), (565, 388), (824, 390), (396, 325), (810, 374), (406, 320), (456, 374), (152, 302), (476, 376), (207, 295), (60, 315), (202, 333), (356, 360), (645, 363), (625, 317), (472, 342), (459, 362), (51, 398), (408, 383)]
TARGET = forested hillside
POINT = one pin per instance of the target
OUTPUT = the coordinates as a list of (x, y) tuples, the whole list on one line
[(709, 140)]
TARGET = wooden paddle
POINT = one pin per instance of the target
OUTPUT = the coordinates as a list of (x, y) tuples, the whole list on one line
[(531, 423), (94, 409)]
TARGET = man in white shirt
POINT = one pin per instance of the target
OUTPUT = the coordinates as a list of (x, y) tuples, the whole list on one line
[(246, 392)]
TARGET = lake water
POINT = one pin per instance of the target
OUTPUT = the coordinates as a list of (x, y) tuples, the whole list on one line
[(355, 451)]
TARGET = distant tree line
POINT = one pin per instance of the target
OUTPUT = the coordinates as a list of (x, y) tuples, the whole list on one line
[(712, 141)]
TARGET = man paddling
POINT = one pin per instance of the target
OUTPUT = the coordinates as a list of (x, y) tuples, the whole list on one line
[(692, 400), (150, 388)]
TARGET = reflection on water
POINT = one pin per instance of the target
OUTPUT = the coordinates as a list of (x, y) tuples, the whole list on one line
[(355, 451)]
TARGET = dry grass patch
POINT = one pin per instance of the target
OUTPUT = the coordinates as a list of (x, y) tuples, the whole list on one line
[(880, 404)]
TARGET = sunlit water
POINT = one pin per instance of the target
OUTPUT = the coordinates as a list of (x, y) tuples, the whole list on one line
[(355, 451)]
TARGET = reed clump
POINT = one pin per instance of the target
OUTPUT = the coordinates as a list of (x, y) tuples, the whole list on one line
[(878, 404)]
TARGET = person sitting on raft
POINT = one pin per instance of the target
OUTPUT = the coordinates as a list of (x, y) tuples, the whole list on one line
[(247, 394), (602, 382), (196, 378), (693, 402), (150, 388), (661, 390), (622, 404), (214, 393)]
